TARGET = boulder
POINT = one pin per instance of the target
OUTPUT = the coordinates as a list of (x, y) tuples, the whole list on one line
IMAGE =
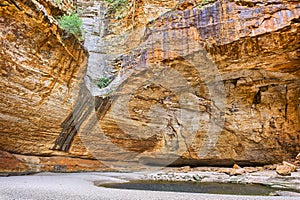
[(290, 165), (283, 170), (286, 168)]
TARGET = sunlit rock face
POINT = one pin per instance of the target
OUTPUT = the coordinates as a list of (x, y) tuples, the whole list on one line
[(40, 67), (235, 63), (202, 85)]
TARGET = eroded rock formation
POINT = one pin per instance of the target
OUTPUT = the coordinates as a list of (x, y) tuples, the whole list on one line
[(255, 47), (201, 85), (40, 67)]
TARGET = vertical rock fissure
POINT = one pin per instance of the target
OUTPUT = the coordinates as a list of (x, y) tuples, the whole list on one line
[(82, 109), (93, 17)]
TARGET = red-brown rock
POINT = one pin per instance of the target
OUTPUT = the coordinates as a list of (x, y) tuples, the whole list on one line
[(10, 163)]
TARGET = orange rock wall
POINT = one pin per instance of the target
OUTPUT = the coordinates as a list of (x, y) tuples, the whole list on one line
[(254, 46)]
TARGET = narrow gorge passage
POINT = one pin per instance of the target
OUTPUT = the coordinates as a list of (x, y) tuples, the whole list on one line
[(92, 13)]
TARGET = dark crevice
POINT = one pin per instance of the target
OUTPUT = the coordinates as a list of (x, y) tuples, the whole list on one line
[(296, 20), (181, 162), (83, 107), (257, 97), (256, 3), (286, 103), (233, 81), (17, 6)]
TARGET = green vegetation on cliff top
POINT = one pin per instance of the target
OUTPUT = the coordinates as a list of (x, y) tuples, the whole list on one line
[(71, 24)]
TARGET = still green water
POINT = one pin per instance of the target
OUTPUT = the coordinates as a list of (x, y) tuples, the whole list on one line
[(194, 187)]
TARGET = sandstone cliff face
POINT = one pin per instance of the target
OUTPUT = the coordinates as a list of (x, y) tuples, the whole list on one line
[(169, 100), (214, 85), (40, 67)]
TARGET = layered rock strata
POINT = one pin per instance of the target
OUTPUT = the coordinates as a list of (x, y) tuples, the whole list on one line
[(242, 97), (40, 67), (214, 84)]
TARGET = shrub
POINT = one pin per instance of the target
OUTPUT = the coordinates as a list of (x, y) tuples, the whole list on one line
[(72, 24), (103, 82), (204, 2), (117, 6), (116, 3)]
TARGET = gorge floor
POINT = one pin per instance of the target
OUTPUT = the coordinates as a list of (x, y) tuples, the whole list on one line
[(83, 185)]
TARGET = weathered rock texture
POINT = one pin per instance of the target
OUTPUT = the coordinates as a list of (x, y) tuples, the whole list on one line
[(40, 66), (17, 163), (200, 85), (255, 47)]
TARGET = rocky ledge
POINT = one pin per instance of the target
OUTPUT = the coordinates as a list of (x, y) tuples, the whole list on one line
[(247, 175)]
